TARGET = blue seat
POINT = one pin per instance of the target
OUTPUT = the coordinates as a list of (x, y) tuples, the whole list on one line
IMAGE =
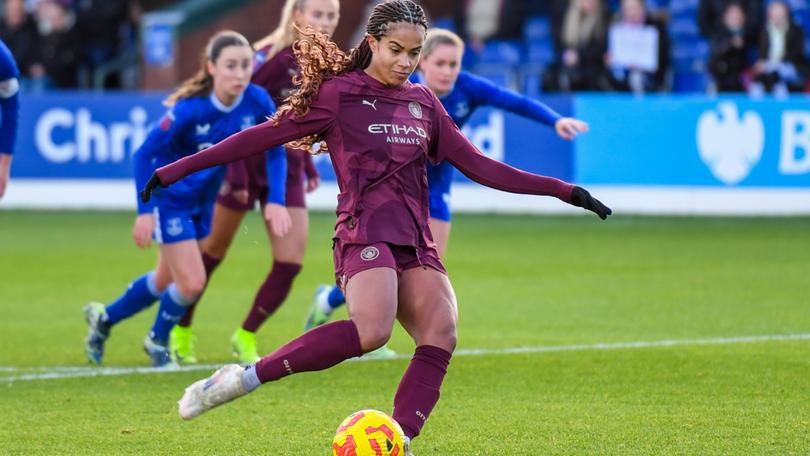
[(537, 29), (540, 52), (690, 82), (445, 23), (684, 26), (500, 51), (500, 74), (530, 79)]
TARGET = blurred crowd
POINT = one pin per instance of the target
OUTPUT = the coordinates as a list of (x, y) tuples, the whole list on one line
[(753, 46), (70, 44)]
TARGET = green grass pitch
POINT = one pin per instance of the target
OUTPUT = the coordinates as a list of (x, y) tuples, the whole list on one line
[(520, 281)]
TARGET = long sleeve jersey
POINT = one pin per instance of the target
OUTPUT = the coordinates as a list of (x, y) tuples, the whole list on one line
[(379, 140), (470, 92), (9, 100), (195, 124)]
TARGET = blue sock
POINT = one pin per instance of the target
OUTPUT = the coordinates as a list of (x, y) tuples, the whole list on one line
[(336, 298), (140, 294), (173, 306)]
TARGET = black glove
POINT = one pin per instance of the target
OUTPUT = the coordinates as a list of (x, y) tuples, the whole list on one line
[(580, 197), (153, 183)]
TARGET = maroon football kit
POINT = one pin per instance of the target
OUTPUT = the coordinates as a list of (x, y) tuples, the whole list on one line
[(379, 140), (250, 174)]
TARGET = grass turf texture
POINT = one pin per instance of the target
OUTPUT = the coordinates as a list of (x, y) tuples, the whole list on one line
[(521, 281)]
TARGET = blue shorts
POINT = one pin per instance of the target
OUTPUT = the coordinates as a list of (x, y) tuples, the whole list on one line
[(440, 177), (175, 225), (440, 206)]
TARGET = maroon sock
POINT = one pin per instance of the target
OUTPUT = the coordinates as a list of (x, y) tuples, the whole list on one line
[(210, 264), (271, 294), (317, 349), (418, 390)]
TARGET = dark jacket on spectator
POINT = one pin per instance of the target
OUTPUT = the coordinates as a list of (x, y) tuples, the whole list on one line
[(727, 61), (794, 47), (710, 17), (24, 43)]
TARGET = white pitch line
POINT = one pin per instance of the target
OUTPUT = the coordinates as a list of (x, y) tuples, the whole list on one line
[(48, 373)]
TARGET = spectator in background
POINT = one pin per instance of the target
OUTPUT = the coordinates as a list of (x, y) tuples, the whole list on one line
[(579, 33), (728, 56), (481, 20), (644, 69), (19, 31), (61, 48), (105, 30), (781, 66), (710, 17)]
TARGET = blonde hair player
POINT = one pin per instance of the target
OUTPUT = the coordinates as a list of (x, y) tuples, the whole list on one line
[(461, 93), (246, 183), (380, 130)]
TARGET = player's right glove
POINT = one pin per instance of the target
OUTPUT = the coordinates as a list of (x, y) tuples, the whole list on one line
[(153, 183), (580, 197)]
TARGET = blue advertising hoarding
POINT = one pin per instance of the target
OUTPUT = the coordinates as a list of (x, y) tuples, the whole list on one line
[(83, 135), (93, 136), (694, 141)]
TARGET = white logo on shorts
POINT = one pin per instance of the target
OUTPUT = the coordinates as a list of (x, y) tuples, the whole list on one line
[(416, 109), (369, 253), (174, 226), (225, 188)]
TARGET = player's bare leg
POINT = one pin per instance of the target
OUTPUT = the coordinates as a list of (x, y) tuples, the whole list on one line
[(441, 234)]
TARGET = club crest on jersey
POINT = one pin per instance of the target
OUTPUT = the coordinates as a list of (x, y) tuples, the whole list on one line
[(247, 122), (416, 109), (369, 253), (203, 129), (174, 226)]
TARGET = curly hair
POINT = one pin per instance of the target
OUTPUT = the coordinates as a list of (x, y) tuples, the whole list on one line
[(320, 59)]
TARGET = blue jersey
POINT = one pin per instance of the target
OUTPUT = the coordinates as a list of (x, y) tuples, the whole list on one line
[(9, 100), (192, 125), (468, 93)]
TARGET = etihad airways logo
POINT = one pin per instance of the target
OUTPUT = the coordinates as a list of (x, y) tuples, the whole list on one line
[(398, 134)]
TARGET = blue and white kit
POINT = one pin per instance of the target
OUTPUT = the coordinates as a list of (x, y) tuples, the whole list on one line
[(468, 93), (183, 211)]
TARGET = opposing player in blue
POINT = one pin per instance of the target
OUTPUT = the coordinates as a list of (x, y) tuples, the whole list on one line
[(9, 112), (460, 93), (214, 104)]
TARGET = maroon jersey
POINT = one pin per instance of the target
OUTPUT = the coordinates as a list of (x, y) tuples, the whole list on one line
[(379, 140), (275, 75)]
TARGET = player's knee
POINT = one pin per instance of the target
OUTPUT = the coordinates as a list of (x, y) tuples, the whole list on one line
[(373, 337), (191, 287)]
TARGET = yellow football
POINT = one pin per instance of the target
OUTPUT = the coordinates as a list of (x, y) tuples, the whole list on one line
[(368, 433)]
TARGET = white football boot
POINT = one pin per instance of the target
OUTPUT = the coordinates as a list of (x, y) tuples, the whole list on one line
[(223, 386)]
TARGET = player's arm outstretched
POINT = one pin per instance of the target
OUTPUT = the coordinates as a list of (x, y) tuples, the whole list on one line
[(490, 94), (252, 141), (451, 145)]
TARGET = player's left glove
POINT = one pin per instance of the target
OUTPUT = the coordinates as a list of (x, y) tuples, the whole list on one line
[(153, 183), (580, 197)]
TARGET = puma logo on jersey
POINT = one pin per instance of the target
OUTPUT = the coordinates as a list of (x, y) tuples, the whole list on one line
[(371, 103)]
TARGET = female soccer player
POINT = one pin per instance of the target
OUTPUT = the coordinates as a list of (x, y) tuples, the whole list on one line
[(461, 93), (217, 102), (246, 182), (380, 130), (9, 112)]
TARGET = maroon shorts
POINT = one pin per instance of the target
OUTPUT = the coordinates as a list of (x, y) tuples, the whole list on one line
[(294, 191), (353, 258)]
